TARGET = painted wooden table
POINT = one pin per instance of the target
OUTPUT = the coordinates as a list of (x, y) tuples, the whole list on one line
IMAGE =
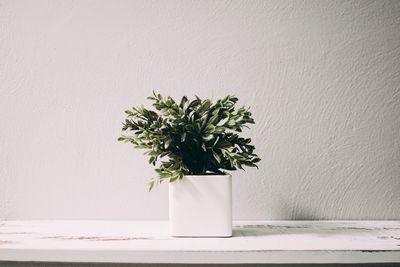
[(149, 242)]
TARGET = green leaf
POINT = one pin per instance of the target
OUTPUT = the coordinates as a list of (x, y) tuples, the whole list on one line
[(208, 137), (151, 185), (183, 137), (152, 160), (216, 156), (203, 146), (191, 136)]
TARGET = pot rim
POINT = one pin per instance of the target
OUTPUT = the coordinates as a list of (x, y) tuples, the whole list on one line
[(209, 175)]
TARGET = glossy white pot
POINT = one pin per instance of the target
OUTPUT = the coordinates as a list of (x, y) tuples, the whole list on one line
[(201, 206)]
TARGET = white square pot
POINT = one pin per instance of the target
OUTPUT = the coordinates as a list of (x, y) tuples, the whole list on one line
[(201, 206)]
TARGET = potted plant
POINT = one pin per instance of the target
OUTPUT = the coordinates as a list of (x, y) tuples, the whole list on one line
[(195, 142)]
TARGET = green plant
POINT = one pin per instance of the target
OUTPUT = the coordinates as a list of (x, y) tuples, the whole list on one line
[(193, 137)]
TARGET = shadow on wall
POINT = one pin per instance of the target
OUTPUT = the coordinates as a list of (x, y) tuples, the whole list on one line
[(300, 213)]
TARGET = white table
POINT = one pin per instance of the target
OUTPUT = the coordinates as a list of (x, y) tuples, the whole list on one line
[(149, 242)]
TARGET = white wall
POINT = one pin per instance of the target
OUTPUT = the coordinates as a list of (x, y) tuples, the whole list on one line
[(322, 79)]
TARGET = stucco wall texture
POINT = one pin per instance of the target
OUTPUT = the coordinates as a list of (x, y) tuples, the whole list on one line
[(322, 79)]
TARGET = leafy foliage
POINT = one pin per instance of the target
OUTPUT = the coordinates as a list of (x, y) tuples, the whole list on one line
[(190, 137)]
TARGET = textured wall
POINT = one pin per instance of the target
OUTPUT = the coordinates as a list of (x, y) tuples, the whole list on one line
[(322, 79)]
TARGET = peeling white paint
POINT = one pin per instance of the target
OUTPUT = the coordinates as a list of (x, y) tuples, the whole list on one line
[(322, 78), (276, 242)]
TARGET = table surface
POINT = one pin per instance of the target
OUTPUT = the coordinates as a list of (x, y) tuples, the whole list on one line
[(252, 242)]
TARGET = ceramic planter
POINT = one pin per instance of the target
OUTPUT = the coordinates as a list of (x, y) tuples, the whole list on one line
[(201, 206)]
